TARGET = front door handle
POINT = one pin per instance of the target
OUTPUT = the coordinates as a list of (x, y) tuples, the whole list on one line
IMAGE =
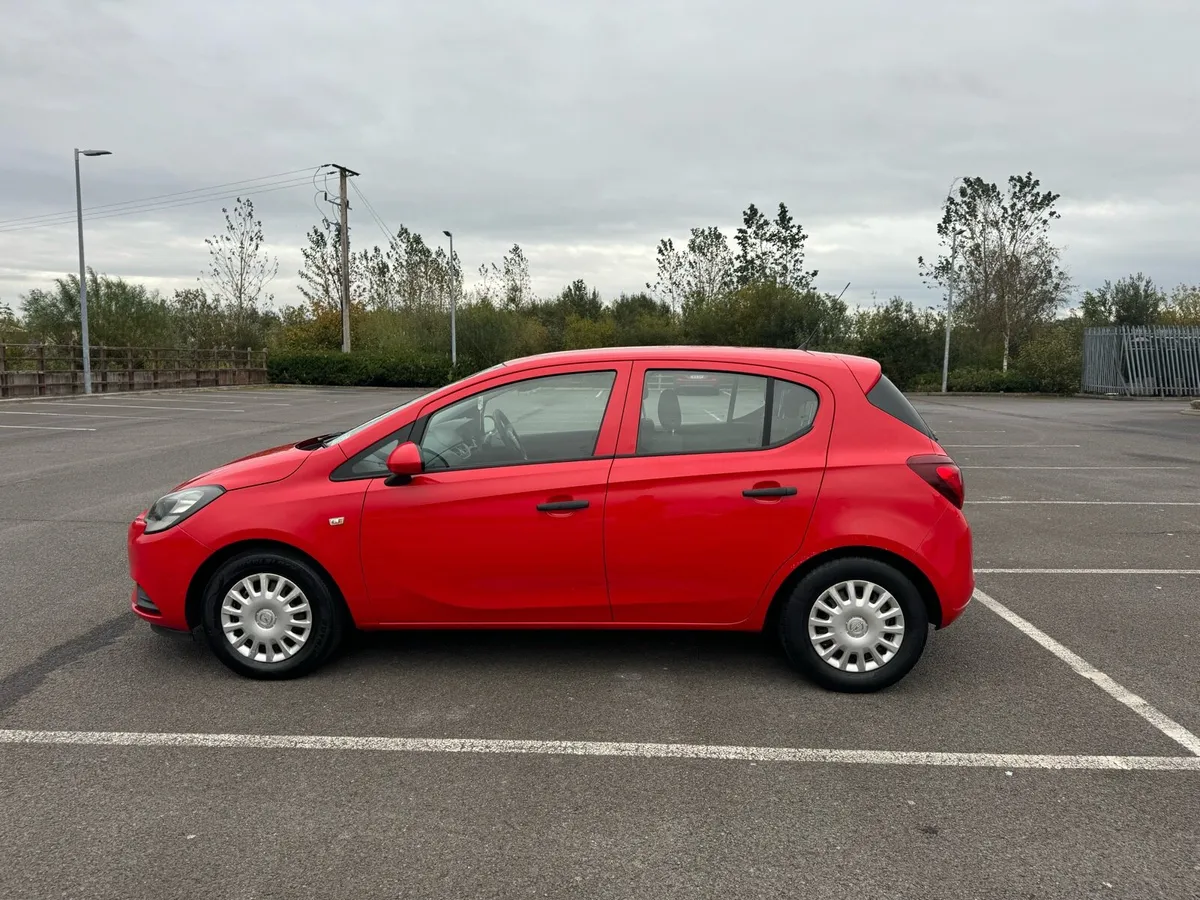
[(562, 505), (755, 493)]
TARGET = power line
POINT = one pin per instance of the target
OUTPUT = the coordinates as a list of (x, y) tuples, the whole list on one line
[(387, 232), (220, 188), (267, 188)]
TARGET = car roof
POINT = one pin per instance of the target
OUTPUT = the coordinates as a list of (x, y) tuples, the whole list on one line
[(866, 371)]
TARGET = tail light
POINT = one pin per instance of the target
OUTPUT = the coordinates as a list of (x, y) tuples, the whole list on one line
[(942, 474)]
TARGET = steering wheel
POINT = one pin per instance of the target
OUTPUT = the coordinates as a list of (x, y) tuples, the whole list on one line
[(507, 433)]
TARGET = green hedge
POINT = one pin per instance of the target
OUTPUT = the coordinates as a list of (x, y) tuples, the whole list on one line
[(380, 370), (363, 369), (986, 381)]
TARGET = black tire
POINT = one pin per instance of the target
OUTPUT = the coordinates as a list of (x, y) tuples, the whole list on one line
[(327, 616), (794, 625)]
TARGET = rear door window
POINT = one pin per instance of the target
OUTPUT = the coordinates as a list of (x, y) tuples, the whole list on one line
[(793, 409), (701, 411)]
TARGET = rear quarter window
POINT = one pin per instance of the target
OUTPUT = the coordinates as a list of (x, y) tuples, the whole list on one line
[(887, 397)]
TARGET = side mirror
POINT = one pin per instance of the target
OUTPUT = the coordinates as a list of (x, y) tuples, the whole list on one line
[(404, 462)]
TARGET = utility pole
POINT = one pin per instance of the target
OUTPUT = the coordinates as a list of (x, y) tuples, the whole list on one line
[(453, 299), (949, 310), (950, 290), (343, 211)]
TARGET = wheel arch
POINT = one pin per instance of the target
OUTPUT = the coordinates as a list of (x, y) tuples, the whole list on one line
[(193, 608), (905, 566)]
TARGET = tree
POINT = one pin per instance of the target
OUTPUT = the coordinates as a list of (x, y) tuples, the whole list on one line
[(1006, 272), (767, 314), (1133, 300), (771, 251), (321, 272), (10, 327), (199, 320), (700, 273), (423, 276), (577, 299), (120, 314), (507, 285), (239, 270), (907, 342), (1184, 306)]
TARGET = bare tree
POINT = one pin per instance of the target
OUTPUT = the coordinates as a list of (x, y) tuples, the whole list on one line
[(507, 285), (239, 268)]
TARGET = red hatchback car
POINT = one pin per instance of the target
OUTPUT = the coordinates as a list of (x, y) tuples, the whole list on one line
[(581, 490)]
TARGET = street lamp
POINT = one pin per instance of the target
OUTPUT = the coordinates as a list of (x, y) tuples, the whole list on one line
[(950, 289), (83, 318), (453, 298)]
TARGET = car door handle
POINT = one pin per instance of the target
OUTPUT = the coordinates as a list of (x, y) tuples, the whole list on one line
[(562, 505), (755, 493)]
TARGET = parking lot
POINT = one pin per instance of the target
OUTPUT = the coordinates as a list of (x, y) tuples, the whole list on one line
[(1045, 746)]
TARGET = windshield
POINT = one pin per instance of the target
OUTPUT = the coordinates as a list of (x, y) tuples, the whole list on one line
[(353, 431), (365, 425)]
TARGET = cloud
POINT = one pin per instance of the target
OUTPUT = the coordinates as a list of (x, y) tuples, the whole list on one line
[(587, 131)]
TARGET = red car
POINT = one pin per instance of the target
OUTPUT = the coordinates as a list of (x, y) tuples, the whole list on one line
[(580, 490)]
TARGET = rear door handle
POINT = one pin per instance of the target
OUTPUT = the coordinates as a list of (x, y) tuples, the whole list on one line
[(562, 505), (754, 493)]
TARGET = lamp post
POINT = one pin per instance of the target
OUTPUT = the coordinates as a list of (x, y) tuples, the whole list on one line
[(950, 291), (453, 299), (83, 315)]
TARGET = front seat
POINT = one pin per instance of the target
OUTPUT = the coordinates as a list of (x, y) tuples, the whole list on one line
[(647, 429), (670, 417)]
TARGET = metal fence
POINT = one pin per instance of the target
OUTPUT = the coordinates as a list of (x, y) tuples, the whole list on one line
[(1156, 361), (42, 370)]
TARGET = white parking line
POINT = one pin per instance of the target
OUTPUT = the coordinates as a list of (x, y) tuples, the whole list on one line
[(1087, 571), (1084, 502), (16, 412), (132, 406), (106, 398), (598, 748), (1163, 723), (46, 428)]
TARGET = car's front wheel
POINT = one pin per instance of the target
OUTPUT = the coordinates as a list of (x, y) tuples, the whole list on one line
[(270, 615), (854, 624)]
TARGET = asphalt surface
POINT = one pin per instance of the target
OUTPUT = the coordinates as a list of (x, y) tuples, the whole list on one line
[(137, 821)]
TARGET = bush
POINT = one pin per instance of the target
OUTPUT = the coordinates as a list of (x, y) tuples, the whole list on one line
[(363, 369), (983, 381), (1054, 358)]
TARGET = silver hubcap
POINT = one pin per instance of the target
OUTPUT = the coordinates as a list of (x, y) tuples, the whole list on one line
[(266, 618), (856, 626)]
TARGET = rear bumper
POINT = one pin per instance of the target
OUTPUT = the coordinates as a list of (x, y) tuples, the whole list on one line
[(162, 566), (948, 553)]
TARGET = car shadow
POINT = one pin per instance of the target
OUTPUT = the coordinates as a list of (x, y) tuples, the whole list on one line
[(553, 648)]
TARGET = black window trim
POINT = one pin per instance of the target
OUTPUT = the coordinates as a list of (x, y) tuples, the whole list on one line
[(417, 428), (343, 471), (769, 398)]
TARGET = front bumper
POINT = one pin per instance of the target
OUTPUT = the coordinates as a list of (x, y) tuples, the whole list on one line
[(162, 566)]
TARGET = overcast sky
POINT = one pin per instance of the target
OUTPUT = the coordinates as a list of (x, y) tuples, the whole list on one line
[(585, 130)]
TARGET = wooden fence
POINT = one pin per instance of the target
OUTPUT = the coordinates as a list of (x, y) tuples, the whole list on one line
[(48, 370)]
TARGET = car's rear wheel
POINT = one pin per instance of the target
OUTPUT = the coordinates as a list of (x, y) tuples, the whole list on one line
[(270, 615), (854, 624)]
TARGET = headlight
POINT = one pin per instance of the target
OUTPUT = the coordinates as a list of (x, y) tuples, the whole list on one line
[(178, 505)]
